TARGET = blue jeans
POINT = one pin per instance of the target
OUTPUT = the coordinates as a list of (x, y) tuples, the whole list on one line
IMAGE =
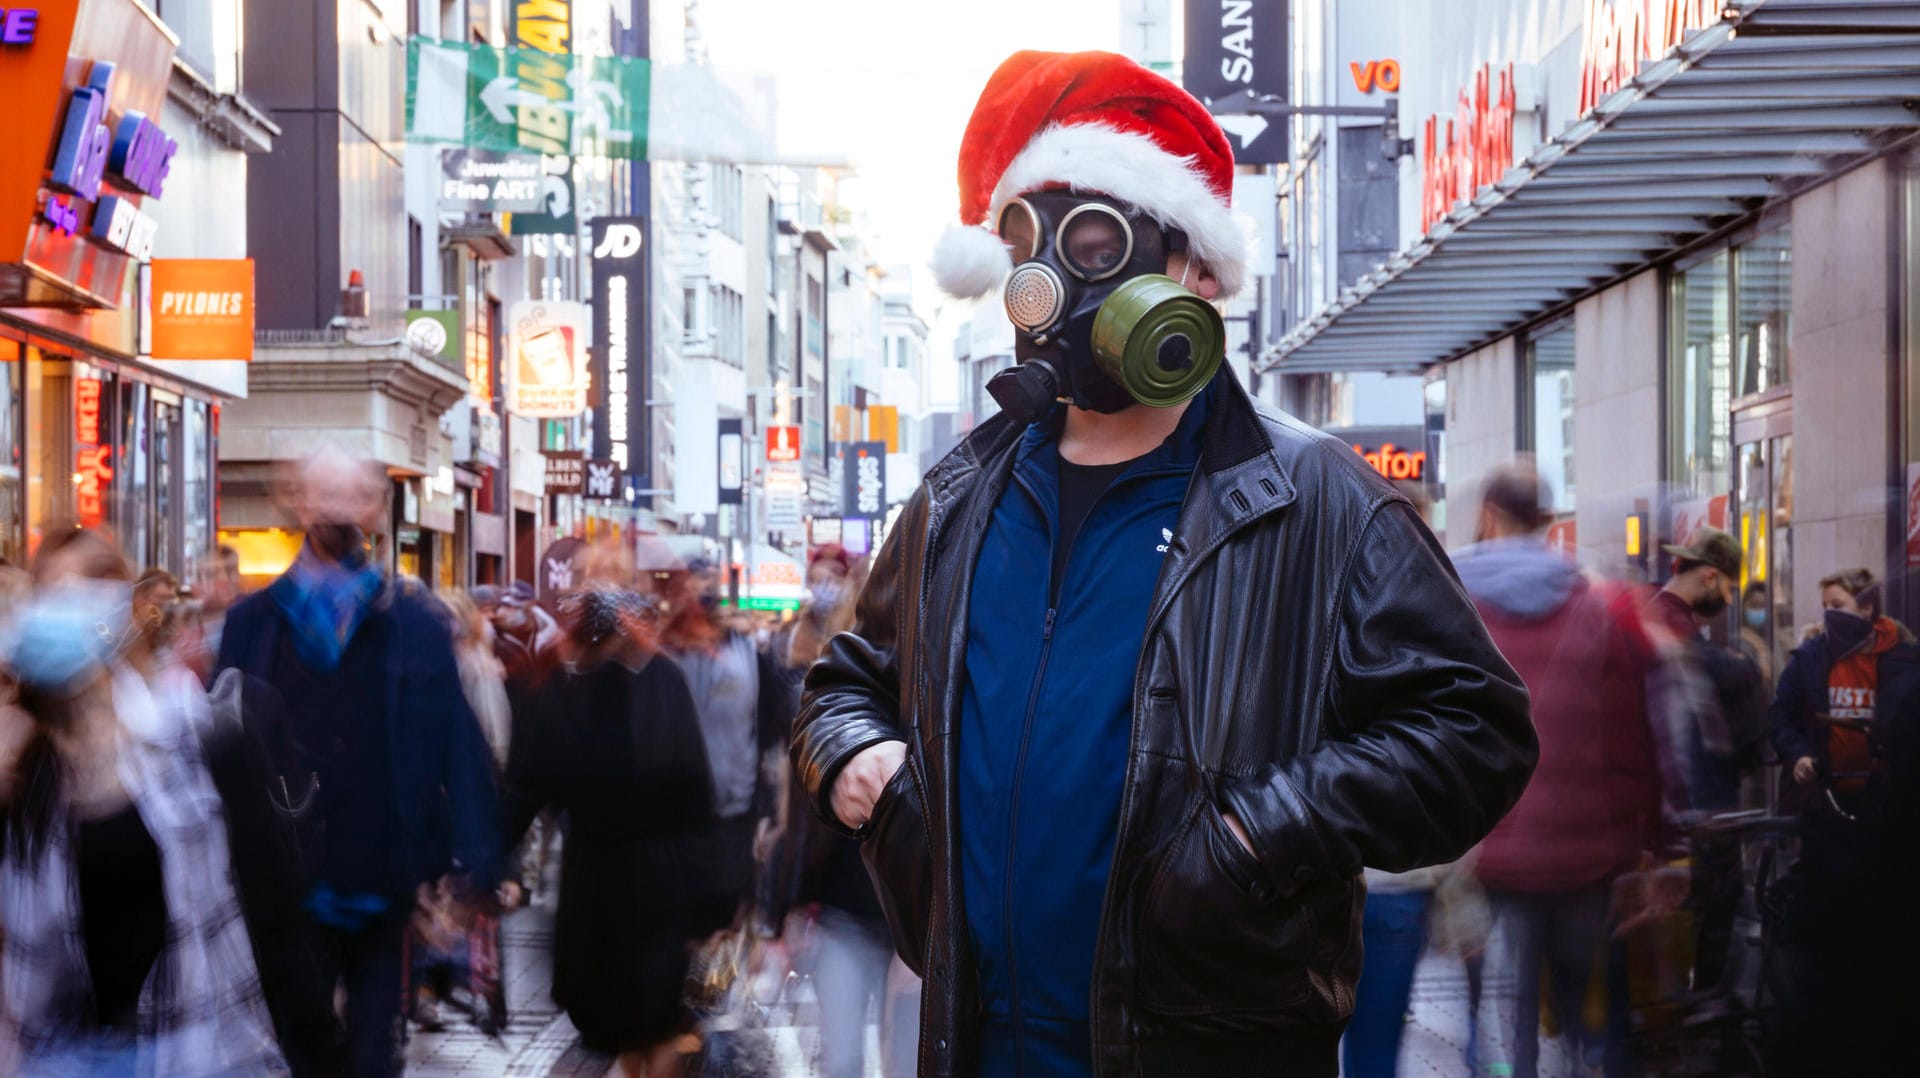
[(1394, 933)]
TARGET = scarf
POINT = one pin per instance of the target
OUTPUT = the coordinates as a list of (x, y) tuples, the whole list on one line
[(201, 1011), (324, 604), (1852, 685)]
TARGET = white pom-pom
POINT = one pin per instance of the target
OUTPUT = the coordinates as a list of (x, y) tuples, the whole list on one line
[(969, 262)]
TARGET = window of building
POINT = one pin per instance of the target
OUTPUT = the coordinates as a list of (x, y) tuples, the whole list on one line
[(729, 200), (1763, 280), (1547, 404), (729, 325), (1700, 373)]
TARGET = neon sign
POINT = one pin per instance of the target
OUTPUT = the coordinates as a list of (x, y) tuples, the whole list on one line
[(18, 25), (1394, 463), (1622, 34), (1474, 148), (93, 465)]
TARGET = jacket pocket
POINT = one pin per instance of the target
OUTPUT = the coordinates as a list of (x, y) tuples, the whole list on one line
[(894, 848), (1216, 940)]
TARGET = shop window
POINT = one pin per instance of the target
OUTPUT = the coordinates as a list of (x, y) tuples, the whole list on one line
[(133, 475), (1763, 280), (196, 472), (1547, 404), (1700, 389)]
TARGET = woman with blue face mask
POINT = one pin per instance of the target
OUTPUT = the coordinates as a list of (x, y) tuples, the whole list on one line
[(126, 951)]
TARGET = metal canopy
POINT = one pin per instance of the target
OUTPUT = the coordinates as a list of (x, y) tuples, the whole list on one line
[(1747, 110)]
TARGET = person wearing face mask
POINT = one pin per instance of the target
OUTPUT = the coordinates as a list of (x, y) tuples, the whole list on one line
[(743, 704), (394, 786), (1145, 672), (130, 946), (1844, 721)]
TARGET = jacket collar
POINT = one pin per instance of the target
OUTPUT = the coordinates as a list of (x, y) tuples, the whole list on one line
[(1239, 472)]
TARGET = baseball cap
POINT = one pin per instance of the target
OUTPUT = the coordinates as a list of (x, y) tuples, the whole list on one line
[(1712, 547)]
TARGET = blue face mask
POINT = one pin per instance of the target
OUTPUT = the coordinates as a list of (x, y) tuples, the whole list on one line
[(68, 631), (1757, 619)]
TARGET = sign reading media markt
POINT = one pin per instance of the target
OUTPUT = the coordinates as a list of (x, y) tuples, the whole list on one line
[(526, 101)]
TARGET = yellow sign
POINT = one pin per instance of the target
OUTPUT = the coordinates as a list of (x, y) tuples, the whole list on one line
[(883, 425)]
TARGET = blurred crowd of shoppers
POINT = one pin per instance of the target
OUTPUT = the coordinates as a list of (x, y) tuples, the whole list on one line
[(1600, 912), (252, 833)]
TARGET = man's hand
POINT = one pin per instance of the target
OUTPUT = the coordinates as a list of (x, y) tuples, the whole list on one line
[(1239, 833), (1805, 771), (859, 783)]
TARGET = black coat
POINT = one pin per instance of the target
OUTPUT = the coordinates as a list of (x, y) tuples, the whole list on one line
[(1311, 665), (620, 752)]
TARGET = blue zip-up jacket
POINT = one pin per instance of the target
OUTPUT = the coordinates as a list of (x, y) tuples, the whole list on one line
[(1045, 732)]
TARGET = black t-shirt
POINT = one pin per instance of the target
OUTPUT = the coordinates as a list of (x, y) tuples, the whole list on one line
[(1080, 486), (123, 911)]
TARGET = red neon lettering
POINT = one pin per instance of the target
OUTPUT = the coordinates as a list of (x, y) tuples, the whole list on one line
[(1475, 148), (1623, 34), (1394, 464)]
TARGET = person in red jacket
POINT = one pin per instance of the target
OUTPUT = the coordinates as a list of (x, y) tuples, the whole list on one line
[(1594, 804)]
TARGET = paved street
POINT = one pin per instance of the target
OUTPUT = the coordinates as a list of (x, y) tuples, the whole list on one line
[(539, 1041)]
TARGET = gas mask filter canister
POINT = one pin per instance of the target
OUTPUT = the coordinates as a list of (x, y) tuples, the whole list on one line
[(1100, 324)]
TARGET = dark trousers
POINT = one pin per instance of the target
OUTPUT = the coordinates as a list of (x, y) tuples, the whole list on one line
[(1394, 933), (369, 966)]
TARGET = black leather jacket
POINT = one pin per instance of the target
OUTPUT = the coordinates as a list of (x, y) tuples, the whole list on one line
[(1311, 665)]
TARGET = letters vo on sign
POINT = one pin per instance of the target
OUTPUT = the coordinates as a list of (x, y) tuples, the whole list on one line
[(1383, 75)]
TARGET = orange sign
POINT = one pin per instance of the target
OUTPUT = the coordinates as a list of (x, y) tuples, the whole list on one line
[(1472, 150), (33, 74), (201, 308), (1395, 463), (883, 425), (1623, 34), (783, 443), (93, 461), (1383, 75)]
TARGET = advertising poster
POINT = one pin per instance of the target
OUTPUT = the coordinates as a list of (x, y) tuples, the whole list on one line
[(547, 358)]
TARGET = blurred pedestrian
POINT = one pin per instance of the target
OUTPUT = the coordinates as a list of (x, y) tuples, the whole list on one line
[(482, 675), (1847, 709), (127, 949), (1724, 722), (743, 704), (616, 744), (848, 946), (1593, 808), (402, 790)]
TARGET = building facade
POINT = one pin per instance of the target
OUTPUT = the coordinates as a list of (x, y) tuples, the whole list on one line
[(1669, 251)]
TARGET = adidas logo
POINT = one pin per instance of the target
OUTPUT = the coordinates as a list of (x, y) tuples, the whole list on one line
[(1166, 537)]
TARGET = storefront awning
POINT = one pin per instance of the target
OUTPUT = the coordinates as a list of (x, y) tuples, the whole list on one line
[(1742, 112)]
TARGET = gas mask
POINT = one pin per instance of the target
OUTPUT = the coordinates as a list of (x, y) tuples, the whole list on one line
[(1098, 322)]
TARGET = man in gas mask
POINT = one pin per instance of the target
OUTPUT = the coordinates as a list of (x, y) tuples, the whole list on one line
[(1145, 673), (394, 782)]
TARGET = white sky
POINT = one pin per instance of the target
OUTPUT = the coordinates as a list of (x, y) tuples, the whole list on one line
[(889, 84)]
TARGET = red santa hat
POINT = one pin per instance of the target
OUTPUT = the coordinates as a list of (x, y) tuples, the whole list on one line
[(1092, 123)]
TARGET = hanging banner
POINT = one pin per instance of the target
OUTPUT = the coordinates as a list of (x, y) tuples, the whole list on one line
[(526, 100), (864, 474), (553, 213), (485, 181), (604, 481), (436, 336), (620, 355), (200, 308), (732, 458), (547, 358), (1235, 45), (566, 471)]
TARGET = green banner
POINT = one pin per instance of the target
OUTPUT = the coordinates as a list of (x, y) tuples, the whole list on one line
[(525, 100)]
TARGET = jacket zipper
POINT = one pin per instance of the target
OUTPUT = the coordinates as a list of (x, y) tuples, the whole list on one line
[(1013, 830)]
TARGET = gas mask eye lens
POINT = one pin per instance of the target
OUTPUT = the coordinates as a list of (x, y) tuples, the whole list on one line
[(1019, 229), (1095, 241)]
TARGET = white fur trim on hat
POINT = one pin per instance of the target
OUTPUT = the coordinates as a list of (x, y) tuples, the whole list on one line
[(1098, 159), (969, 262)]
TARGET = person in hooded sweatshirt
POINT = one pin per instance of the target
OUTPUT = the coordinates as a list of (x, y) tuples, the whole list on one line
[(1594, 804), (1843, 723)]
